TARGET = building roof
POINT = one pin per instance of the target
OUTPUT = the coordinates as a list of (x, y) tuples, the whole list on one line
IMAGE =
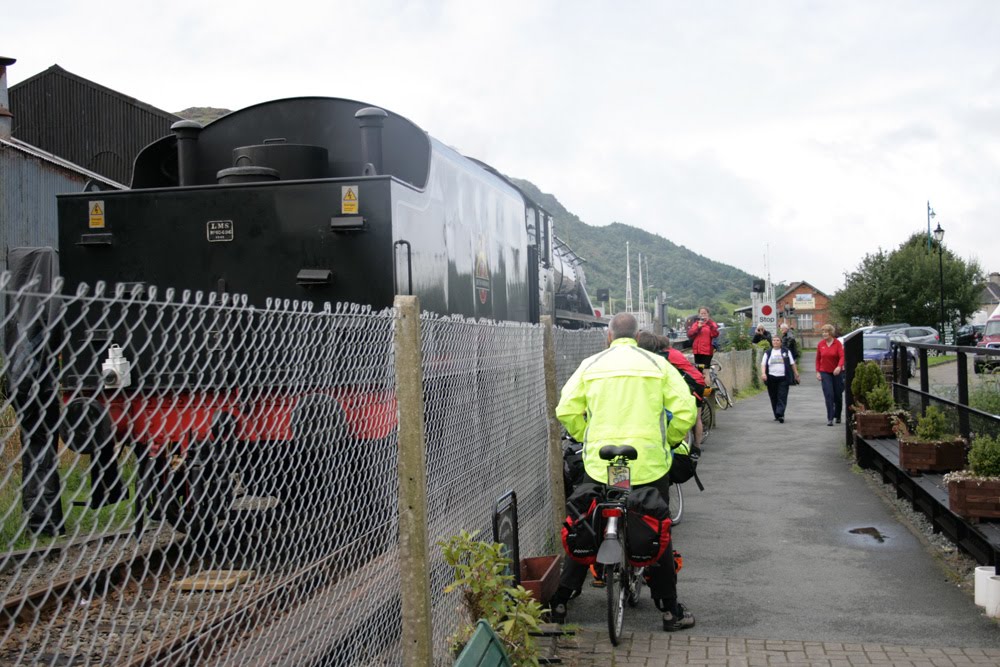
[(38, 153), (57, 70), (990, 293), (795, 286)]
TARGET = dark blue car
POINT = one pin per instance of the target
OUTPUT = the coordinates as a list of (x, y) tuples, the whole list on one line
[(879, 348)]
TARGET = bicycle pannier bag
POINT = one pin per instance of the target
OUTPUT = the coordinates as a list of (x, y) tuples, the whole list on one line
[(648, 526), (684, 466), (581, 530)]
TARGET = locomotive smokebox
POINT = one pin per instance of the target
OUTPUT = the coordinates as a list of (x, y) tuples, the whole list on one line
[(371, 120)]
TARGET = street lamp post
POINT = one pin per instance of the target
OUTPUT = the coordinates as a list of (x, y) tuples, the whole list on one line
[(939, 237)]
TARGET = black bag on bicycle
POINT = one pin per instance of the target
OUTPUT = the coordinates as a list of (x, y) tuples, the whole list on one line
[(684, 466), (648, 526), (581, 535)]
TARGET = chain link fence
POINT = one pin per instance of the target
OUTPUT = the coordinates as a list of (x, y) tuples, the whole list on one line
[(187, 479)]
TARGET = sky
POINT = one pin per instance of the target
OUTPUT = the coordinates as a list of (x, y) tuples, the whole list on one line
[(787, 138)]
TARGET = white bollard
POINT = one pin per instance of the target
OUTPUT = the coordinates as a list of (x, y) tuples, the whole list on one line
[(993, 597), (983, 574)]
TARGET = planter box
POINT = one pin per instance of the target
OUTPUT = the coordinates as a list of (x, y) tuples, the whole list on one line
[(975, 499), (935, 456), (540, 575), (873, 424)]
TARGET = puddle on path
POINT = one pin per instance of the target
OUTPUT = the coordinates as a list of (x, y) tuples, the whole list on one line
[(869, 531)]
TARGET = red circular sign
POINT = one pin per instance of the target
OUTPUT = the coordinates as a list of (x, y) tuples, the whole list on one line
[(766, 310)]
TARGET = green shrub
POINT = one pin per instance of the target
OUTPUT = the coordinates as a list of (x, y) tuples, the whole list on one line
[(880, 399), (932, 425), (984, 457), (481, 576), (986, 397), (867, 377)]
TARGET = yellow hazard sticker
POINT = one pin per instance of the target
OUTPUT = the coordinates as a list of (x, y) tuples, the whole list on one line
[(348, 199), (96, 209)]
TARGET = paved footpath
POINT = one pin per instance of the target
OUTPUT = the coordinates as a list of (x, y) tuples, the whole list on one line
[(774, 574)]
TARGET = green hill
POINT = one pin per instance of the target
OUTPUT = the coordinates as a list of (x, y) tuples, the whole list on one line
[(203, 115), (689, 279)]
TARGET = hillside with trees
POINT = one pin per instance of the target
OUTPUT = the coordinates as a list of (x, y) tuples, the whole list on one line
[(689, 279)]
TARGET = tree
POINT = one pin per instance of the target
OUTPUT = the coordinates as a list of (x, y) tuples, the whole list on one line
[(905, 286)]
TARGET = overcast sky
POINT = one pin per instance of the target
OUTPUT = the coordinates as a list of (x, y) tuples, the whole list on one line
[(817, 130)]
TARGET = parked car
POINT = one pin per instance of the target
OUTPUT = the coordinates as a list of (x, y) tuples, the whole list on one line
[(851, 333), (969, 334), (919, 334), (886, 328), (990, 338), (879, 348)]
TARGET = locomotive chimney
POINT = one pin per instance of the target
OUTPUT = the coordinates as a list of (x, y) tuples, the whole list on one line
[(6, 116), (371, 120), (187, 150)]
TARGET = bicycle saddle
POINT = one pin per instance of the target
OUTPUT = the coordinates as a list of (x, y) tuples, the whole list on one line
[(610, 452)]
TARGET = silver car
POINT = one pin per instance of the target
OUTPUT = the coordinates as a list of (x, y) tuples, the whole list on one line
[(919, 334)]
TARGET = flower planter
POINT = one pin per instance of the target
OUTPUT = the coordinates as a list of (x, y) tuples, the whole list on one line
[(873, 424), (540, 576), (975, 498), (933, 456)]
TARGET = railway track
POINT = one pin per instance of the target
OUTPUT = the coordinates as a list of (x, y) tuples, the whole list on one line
[(128, 609)]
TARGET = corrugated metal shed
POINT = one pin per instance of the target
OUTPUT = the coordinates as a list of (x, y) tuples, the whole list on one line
[(95, 127), (30, 179)]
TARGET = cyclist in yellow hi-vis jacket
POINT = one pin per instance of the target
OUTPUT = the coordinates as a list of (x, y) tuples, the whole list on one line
[(628, 396)]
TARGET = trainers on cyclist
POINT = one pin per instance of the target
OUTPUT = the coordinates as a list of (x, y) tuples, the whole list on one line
[(682, 620), (598, 580), (557, 614)]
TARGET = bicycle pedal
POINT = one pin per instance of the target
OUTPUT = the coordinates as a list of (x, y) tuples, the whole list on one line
[(597, 583)]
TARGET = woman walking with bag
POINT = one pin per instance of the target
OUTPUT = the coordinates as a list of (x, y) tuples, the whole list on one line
[(777, 370)]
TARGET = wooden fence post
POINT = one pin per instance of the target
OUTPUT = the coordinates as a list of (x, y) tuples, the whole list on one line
[(417, 633), (555, 428)]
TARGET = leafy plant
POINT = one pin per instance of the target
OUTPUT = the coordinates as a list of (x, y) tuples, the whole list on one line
[(879, 399), (867, 377), (986, 397), (932, 425), (481, 575), (984, 456)]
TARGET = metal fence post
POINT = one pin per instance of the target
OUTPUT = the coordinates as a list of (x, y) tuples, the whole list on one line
[(555, 428), (413, 548)]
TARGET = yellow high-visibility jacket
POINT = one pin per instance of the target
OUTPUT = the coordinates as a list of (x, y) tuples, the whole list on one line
[(622, 396)]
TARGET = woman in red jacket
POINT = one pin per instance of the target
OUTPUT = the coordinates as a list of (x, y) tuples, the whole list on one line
[(830, 371), (702, 332)]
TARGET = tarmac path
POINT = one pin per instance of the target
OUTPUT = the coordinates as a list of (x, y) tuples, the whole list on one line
[(770, 560)]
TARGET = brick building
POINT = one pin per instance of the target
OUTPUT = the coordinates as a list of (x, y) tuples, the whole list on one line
[(806, 309)]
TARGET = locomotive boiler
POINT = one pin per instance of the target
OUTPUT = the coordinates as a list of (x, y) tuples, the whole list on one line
[(325, 200)]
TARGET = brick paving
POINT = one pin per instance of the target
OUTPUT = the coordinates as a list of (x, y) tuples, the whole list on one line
[(589, 647)]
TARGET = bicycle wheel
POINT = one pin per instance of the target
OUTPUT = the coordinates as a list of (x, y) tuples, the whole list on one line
[(613, 575), (675, 498), (707, 418), (634, 577), (722, 398)]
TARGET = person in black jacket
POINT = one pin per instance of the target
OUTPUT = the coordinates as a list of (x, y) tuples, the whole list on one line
[(788, 340), (777, 370), (761, 334)]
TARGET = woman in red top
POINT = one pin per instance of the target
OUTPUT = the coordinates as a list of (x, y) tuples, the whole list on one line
[(830, 371), (702, 332)]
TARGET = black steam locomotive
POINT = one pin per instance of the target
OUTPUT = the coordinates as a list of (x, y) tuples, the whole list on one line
[(316, 199), (325, 200)]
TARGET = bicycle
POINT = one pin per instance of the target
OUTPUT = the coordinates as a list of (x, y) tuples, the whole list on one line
[(623, 581), (722, 397)]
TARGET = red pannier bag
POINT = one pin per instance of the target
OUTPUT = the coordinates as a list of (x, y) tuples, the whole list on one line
[(581, 535), (648, 526)]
